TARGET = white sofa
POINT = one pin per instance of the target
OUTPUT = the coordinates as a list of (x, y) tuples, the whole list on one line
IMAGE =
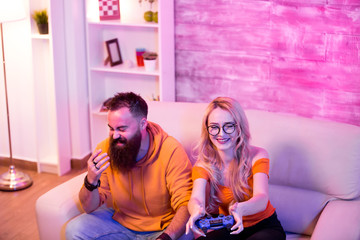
[(314, 172)]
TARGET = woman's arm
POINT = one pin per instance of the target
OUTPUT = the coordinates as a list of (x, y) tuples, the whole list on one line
[(196, 205), (258, 201), (254, 205)]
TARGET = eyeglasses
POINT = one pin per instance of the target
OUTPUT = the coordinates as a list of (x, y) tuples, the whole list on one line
[(228, 128)]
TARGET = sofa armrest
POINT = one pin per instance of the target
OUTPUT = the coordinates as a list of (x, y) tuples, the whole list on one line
[(57, 206), (339, 220)]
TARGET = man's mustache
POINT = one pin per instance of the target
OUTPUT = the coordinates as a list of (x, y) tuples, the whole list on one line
[(120, 139)]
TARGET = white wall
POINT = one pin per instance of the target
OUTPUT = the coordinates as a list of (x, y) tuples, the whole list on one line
[(17, 44)]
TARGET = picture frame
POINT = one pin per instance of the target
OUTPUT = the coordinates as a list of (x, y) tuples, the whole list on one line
[(113, 50)]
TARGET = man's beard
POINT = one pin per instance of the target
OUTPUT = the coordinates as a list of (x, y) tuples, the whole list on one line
[(123, 158)]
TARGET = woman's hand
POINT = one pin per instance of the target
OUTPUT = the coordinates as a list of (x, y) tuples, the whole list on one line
[(238, 226), (198, 212)]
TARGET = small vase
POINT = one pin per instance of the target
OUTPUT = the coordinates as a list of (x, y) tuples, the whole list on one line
[(43, 28)]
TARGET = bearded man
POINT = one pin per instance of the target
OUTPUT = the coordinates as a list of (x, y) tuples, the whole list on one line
[(141, 175)]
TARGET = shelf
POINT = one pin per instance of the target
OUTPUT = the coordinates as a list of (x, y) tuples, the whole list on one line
[(40, 36), (99, 113), (117, 23), (125, 70)]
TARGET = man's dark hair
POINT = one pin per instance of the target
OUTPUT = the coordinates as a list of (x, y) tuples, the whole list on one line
[(136, 104)]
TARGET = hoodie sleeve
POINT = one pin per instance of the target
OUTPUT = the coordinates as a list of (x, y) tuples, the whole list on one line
[(178, 174)]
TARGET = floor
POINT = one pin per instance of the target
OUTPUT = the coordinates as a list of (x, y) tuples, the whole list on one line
[(17, 209)]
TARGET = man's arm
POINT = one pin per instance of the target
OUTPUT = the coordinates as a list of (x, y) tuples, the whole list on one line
[(179, 185), (177, 226), (89, 200)]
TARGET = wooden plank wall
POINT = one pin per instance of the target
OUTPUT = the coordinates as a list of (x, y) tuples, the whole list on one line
[(296, 56)]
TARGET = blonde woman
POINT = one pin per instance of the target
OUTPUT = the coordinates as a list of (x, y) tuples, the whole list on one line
[(231, 176)]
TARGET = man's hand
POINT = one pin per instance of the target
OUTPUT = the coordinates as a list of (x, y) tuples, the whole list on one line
[(97, 163), (90, 200)]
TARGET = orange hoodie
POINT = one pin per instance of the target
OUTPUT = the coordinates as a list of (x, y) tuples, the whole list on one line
[(147, 197)]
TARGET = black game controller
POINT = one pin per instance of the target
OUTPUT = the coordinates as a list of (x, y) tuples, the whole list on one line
[(218, 222)]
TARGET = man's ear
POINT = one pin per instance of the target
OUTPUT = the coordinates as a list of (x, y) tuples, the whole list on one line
[(143, 123)]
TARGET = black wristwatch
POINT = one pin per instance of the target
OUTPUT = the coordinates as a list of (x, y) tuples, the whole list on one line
[(89, 186)]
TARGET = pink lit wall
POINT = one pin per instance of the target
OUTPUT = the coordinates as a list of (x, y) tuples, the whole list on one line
[(296, 56)]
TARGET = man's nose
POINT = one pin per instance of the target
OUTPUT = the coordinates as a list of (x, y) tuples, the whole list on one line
[(116, 134)]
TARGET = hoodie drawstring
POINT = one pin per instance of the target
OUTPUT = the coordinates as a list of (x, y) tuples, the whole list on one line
[(143, 192), (130, 185)]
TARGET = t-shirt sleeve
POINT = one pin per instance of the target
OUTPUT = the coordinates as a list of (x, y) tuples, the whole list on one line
[(261, 166), (199, 172)]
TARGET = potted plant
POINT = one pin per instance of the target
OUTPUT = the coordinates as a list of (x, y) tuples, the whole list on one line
[(150, 55), (150, 61), (41, 19)]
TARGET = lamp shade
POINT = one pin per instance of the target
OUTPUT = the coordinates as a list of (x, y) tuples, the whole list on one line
[(11, 10)]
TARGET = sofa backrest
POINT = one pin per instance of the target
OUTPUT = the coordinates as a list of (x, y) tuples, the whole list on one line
[(181, 120), (305, 153), (312, 161), (311, 154)]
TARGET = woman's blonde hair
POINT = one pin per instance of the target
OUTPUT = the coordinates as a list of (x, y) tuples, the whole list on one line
[(208, 157)]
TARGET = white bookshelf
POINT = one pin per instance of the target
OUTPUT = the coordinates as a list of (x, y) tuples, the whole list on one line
[(51, 101), (132, 32)]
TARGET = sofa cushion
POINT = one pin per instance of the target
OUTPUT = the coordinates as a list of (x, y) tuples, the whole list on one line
[(298, 209), (309, 153), (343, 216)]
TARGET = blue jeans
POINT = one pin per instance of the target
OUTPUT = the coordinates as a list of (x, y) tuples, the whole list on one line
[(100, 225)]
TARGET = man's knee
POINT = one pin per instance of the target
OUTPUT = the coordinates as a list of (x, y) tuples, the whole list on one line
[(74, 228)]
